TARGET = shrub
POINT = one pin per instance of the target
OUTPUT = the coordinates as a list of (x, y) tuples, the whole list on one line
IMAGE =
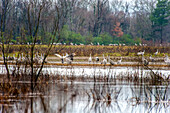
[(127, 39)]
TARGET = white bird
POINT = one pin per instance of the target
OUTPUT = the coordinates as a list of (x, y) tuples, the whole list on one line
[(156, 52), (70, 56), (119, 61), (11, 58), (69, 61), (41, 58), (104, 60), (67, 54), (19, 60), (111, 61), (140, 44), (61, 57), (14, 57), (141, 53), (22, 57), (151, 59), (90, 59), (167, 60), (36, 59), (144, 61)]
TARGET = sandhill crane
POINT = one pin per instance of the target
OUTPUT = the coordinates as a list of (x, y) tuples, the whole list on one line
[(61, 57), (19, 59), (14, 57), (90, 59), (111, 61), (69, 61), (167, 60), (27, 58), (42, 58), (104, 60), (144, 61), (151, 59), (22, 57), (97, 59), (140, 44), (11, 58), (141, 53), (119, 61), (36, 59), (71, 56), (68, 58), (156, 52)]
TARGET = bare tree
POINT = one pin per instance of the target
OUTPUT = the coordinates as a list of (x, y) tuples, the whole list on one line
[(98, 13), (32, 19), (5, 8), (121, 12), (141, 22)]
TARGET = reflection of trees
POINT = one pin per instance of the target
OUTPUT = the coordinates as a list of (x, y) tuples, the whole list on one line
[(103, 97), (43, 95), (100, 97), (151, 98), (107, 95), (158, 97)]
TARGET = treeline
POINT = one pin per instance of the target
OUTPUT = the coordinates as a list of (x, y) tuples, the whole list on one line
[(105, 38), (85, 21)]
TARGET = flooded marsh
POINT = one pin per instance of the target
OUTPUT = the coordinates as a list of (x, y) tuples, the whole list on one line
[(84, 56), (89, 89)]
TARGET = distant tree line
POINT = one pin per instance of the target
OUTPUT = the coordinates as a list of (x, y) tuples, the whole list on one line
[(86, 21)]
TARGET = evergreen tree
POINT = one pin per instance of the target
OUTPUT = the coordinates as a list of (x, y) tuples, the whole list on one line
[(160, 16)]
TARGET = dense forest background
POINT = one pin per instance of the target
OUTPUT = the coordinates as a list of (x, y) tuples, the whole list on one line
[(85, 21)]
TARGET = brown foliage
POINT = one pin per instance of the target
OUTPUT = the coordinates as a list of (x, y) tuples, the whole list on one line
[(117, 31)]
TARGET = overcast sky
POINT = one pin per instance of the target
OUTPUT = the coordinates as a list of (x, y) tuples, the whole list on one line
[(122, 0)]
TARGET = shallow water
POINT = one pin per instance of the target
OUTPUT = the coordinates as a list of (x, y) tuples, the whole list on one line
[(93, 97), (95, 70), (78, 98), (102, 71), (92, 70)]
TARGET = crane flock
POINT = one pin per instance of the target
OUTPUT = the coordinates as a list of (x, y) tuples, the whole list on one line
[(68, 58), (21, 59), (108, 60)]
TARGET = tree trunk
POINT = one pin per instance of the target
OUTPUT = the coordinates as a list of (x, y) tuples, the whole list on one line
[(161, 34)]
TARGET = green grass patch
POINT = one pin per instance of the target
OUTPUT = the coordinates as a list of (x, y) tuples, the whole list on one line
[(132, 54)]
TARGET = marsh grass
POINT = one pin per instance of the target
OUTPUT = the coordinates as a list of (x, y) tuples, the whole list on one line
[(86, 50)]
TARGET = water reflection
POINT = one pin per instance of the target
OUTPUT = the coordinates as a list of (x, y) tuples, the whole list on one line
[(90, 70), (94, 97), (103, 91)]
